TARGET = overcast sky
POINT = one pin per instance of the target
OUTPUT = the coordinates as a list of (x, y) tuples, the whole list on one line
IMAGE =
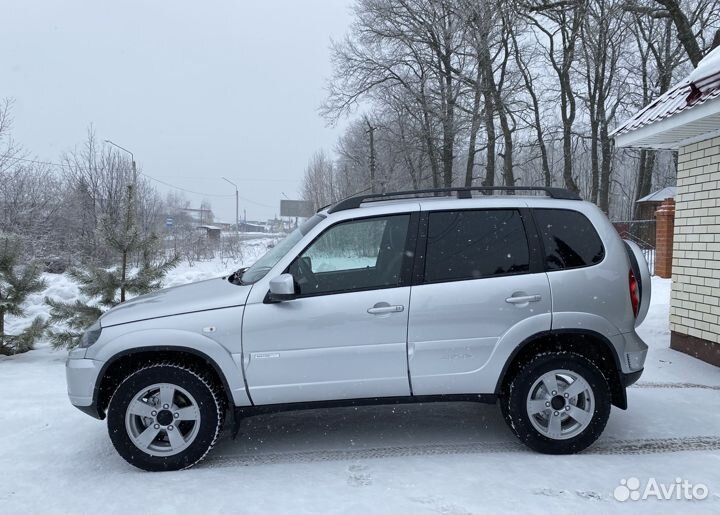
[(196, 89)]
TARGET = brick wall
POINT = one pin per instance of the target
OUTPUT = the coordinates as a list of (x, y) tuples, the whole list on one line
[(695, 304)]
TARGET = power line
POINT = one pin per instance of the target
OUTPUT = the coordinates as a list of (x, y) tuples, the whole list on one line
[(244, 179), (206, 194), (184, 189), (60, 165)]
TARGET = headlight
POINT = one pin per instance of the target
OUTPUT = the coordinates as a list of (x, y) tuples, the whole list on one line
[(90, 336)]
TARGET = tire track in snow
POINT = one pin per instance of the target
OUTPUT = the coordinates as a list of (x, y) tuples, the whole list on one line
[(605, 447), (675, 385)]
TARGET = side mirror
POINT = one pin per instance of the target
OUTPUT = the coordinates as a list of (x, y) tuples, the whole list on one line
[(282, 288)]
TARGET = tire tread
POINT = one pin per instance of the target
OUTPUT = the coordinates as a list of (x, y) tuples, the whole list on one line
[(213, 388)]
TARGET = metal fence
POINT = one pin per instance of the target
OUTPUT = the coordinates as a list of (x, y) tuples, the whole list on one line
[(642, 232)]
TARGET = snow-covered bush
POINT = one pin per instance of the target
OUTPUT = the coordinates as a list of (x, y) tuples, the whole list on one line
[(17, 282), (103, 288)]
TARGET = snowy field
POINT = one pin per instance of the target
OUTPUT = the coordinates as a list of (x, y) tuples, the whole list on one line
[(440, 458)]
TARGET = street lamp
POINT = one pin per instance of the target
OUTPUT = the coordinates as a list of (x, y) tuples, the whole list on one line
[(129, 219), (132, 158), (237, 204)]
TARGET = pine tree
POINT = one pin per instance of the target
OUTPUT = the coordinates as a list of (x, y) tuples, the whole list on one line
[(17, 282), (103, 288)]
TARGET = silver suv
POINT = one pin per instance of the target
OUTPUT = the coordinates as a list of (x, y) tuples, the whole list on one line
[(435, 295)]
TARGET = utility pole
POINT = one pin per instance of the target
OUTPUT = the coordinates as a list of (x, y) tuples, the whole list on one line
[(237, 205), (371, 132)]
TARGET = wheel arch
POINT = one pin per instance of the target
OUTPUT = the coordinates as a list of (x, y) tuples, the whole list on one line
[(124, 362), (589, 343)]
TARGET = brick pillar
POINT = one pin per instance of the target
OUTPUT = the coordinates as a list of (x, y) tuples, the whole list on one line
[(665, 225)]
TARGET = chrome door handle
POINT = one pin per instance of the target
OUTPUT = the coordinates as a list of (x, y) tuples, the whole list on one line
[(379, 309), (524, 299)]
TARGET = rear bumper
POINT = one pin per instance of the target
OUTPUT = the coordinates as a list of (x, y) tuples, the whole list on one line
[(632, 353), (631, 378)]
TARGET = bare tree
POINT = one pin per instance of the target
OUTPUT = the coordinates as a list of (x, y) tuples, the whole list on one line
[(411, 45), (319, 182), (603, 41), (686, 16), (523, 57), (488, 28), (444, 82), (560, 23)]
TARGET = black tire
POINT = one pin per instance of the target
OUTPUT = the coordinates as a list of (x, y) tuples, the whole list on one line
[(514, 402), (209, 403)]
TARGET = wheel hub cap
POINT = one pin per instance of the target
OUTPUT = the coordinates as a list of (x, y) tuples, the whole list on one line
[(165, 417), (560, 404), (162, 419)]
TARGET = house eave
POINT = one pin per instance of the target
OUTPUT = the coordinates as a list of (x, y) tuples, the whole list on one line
[(684, 128)]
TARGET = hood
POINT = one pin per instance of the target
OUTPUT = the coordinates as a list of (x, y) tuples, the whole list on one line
[(188, 298)]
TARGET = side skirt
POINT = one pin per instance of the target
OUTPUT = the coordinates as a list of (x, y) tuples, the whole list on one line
[(241, 412)]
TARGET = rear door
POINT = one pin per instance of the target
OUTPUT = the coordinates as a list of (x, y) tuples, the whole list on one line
[(479, 279)]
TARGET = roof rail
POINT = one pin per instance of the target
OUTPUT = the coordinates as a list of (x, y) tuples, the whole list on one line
[(462, 193)]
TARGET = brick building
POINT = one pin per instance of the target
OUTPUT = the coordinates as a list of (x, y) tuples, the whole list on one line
[(687, 119)]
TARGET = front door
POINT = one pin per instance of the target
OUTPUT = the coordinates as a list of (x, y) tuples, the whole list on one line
[(345, 334)]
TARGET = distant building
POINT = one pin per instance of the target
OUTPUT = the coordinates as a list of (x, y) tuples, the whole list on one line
[(224, 225), (200, 216), (212, 231), (650, 203), (252, 227)]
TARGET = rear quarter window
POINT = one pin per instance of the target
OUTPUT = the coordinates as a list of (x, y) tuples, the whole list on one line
[(569, 238)]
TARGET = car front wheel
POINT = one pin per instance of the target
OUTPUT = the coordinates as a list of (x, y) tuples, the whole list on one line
[(558, 403), (165, 417)]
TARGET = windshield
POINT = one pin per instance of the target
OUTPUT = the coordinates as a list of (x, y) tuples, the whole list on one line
[(271, 258)]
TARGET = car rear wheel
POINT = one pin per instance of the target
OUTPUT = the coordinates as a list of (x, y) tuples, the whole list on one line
[(165, 417), (558, 403)]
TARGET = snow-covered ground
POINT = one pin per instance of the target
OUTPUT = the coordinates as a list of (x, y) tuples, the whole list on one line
[(440, 458)]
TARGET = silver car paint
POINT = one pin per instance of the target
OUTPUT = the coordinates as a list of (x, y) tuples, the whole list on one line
[(188, 298), (214, 333), (327, 347), (455, 326), (602, 289), (286, 346)]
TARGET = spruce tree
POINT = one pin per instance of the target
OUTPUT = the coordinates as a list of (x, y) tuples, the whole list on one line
[(103, 288), (17, 282)]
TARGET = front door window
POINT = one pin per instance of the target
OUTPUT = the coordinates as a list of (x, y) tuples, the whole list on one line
[(354, 255)]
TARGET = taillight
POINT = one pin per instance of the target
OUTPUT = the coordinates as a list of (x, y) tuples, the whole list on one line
[(634, 293)]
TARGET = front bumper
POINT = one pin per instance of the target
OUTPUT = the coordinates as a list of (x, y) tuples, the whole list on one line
[(81, 375)]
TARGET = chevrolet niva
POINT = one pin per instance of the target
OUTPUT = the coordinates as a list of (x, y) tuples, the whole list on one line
[(527, 301)]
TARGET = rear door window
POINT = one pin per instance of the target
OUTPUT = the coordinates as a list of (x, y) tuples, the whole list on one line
[(473, 244), (569, 238)]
